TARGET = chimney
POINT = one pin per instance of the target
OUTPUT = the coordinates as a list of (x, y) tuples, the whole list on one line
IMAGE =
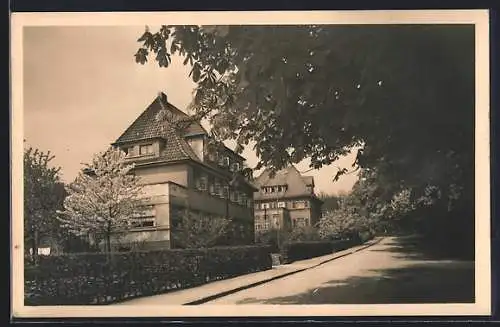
[(163, 98)]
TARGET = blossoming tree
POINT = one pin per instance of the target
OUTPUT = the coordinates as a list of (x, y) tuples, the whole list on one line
[(103, 198)]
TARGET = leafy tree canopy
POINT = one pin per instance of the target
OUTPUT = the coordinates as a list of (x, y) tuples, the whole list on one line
[(403, 94), (43, 196)]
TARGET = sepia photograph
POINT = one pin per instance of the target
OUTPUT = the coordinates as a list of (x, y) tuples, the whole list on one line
[(250, 164)]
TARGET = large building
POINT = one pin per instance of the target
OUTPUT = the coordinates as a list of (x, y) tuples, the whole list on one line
[(178, 173), (286, 200)]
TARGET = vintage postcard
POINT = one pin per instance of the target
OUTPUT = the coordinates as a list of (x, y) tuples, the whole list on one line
[(186, 164)]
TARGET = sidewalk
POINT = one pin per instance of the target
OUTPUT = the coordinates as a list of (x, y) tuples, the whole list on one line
[(210, 291)]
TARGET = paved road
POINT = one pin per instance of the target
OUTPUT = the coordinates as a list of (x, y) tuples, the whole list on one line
[(389, 272)]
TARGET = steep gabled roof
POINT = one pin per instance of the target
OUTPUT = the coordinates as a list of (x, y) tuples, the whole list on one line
[(290, 176), (146, 126)]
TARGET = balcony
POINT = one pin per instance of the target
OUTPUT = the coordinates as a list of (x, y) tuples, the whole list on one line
[(197, 200)]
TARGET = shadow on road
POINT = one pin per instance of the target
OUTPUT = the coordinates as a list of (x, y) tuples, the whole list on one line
[(419, 248), (421, 277)]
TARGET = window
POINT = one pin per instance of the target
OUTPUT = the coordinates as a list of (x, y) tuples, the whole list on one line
[(243, 199), (211, 156), (235, 167), (257, 206), (203, 183), (225, 192), (234, 196), (143, 222), (298, 204), (225, 161), (128, 151), (265, 205), (217, 188), (146, 149), (211, 189), (281, 205), (145, 211), (273, 205), (306, 204), (144, 218)]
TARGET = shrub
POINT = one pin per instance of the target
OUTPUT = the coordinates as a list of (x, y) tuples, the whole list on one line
[(306, 250), (304, 234), (365, 236), (275, 238), (286, 236), (89, 279), (196, 230)]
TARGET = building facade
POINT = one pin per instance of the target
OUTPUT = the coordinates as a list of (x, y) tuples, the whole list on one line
[(178, 173), (284, 201)]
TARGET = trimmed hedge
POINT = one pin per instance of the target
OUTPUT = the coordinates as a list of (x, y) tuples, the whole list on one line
[(90, 278), (306, 250)]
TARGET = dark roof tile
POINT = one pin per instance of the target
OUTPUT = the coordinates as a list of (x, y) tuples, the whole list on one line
[(147, 126)]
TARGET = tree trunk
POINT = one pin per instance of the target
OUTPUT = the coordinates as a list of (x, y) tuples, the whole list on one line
[(34, 245), (227, 200), (108, 239)]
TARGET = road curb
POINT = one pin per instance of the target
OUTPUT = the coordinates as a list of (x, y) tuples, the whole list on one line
[(241, 288), (345, 254)]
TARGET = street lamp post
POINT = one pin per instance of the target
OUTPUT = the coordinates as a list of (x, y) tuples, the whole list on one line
[(277, 223)]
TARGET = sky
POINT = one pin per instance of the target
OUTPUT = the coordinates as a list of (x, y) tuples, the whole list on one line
[(82, 88)]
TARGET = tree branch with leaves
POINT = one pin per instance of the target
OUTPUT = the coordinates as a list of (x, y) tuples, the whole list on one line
[(319, 91)]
